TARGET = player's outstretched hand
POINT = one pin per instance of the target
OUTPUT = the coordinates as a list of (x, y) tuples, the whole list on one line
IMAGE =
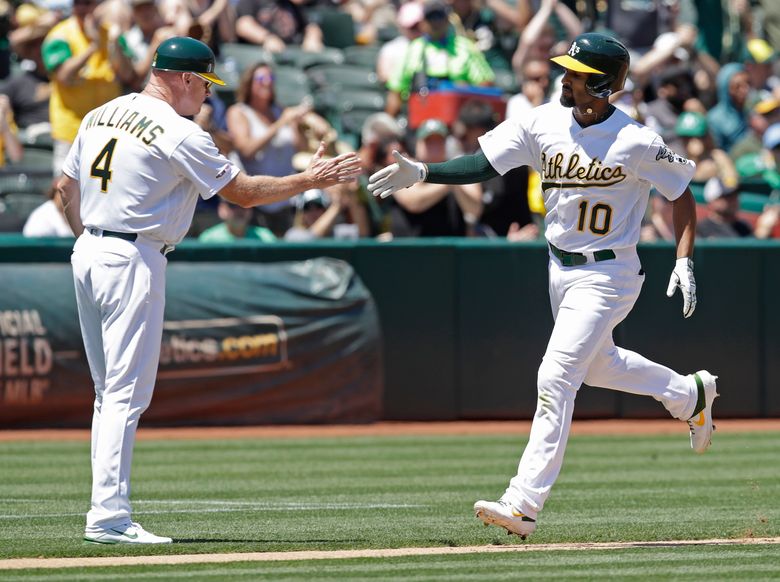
[(682, 278), (325, 172), (395, 177)]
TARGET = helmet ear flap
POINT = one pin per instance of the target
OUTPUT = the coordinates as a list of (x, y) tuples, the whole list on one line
[(599, 86)]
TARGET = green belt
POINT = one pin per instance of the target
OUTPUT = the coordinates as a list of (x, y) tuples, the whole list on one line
[(568, 259)]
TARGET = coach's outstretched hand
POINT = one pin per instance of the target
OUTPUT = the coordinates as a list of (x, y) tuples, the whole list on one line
[(325, 172), (682, 277), (402, 174)]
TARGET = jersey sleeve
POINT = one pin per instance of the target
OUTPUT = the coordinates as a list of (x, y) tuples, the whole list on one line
[(71, 165), (509, 145), (667, 171), (199, 161)]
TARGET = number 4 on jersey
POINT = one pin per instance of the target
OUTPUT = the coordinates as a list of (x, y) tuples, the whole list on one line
[(101, 167)]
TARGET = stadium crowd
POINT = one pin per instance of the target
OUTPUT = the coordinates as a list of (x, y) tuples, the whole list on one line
[(425, 77)]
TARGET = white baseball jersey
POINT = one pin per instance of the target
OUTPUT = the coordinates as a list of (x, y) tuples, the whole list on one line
[(141, 167), (596, 180)]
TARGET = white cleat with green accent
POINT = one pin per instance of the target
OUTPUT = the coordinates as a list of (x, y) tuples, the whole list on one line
[(131, 533), (700, 424), (504, 514)]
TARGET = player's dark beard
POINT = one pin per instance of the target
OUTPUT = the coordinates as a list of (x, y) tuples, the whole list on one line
[(567, 101)]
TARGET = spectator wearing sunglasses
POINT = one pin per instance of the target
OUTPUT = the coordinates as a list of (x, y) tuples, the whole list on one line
[(267, 136), (88, 63)]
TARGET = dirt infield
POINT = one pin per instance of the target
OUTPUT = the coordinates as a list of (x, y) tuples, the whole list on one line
[(581, 427), (49, 563)]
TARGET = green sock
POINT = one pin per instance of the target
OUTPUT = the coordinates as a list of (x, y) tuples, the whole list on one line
[(701, 401)]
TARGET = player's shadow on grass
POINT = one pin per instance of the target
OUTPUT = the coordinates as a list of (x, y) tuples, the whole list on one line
[(259, 541)]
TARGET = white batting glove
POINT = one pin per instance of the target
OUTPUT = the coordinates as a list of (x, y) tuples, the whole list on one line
[(395, 177), (682, 277)]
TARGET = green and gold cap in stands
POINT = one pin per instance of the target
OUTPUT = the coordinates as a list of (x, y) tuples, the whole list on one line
[(691, 124), (433, 127), (187, 55)]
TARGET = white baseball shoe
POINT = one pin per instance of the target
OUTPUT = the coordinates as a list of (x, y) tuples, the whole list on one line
[(503, 514), (131, 533), (701, 424)]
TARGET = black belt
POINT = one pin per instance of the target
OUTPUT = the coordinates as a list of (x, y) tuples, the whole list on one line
[(129, 236), (568, 259)]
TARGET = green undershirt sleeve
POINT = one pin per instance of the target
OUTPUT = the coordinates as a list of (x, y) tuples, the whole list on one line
[(463, 170)]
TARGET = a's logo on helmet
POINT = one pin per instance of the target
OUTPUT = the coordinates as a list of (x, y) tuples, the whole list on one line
[(574, 49)]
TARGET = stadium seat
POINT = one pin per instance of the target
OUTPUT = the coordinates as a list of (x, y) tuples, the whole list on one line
[(241, 56), (338, 27), (361, 56), (343, 76), (15, 207)]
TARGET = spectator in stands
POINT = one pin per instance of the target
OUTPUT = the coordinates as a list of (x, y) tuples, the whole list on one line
[(723, 206), (637, 24), (149, 29), (658, 224), (335, 212), (440, 55), (534, 81), (29, 91), (266, 136), (539, 38), (759, 60), (48, 220), (674, 93), (722, 26), (10, 146), (409, 23), (673, 50), (699, 147), (235, 225), (435, 209), (88, 67), (504, 203), (210, 21), (765, 164), (763, 114), (274, 25), (487, 22), (368, 16), (380, 135), (728, 119)]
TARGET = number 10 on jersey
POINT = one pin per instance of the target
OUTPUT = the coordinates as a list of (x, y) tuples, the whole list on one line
[(600, 217)]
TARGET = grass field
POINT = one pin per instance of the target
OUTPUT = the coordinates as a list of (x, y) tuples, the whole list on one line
[(266, 495)]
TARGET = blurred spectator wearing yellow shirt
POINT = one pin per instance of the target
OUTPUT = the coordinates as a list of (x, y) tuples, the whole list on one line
[(9, 142), (88, 64)]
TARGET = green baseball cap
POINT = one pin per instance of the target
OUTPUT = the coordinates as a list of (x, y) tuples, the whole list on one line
[(691, 124), (187, 55), (432, 127)]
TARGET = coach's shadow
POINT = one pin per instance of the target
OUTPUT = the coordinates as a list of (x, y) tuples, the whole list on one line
[(258, 541)]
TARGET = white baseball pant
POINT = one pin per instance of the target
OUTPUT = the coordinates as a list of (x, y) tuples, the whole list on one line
[(588, 301), (120, 292)]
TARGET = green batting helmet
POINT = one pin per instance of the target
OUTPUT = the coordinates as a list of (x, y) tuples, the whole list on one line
[(187, 55), (603, 57)]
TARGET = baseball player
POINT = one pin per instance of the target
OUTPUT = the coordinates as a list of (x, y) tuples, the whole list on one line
[(130, 185), (597, 166)]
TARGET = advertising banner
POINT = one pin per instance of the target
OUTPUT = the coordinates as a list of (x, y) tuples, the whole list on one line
[(243, 343)]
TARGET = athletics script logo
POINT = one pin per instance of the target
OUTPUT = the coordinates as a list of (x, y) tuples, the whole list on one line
[(665, 153), (574, 49)]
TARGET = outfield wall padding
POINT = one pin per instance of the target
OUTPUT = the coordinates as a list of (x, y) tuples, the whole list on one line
[(465, 322)]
